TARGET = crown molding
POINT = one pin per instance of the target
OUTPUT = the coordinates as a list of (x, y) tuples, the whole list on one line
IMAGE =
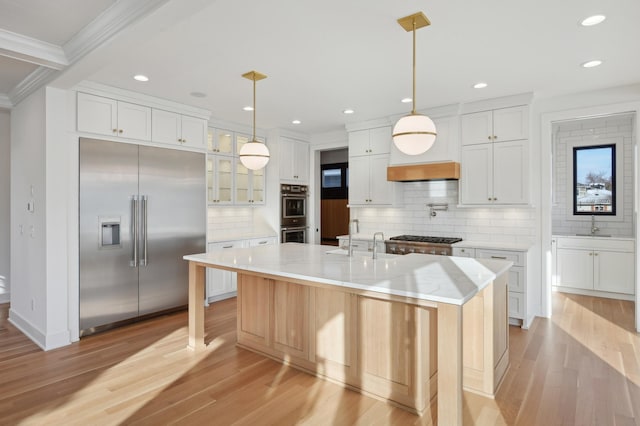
[(107, 25), (5, 102), (27, 49), (32, 82)]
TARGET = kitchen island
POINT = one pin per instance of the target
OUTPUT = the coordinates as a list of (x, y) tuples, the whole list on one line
[(410, 329)]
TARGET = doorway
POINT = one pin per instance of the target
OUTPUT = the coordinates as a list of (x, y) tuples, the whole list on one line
[(334, 195), (549, 202)]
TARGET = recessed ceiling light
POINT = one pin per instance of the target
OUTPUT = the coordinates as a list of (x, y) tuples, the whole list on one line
[(247, 108), (480, 85), (592, 20), (348, 111), (406, 100), (296, 122), (141, 77), (198, 94), (591, 64)]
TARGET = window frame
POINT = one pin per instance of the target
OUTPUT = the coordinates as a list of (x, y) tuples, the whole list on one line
[(614, 172)]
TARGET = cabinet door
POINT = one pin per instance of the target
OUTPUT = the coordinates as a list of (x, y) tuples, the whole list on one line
[(574, 268), (380, 140), (476, 180), (267, 241), (134, 121), (380, 189), (290, 316), (510, 169), (254, 310), (359, 180), (242, 184), (476, 128), (359, 143), (257, 180), (510, 124), (300, 162), (97, 114), (334, 328), (614, 271), (220, 141), (286, 158), (219, 282), (223, 179), (194, 132), (166, 127)]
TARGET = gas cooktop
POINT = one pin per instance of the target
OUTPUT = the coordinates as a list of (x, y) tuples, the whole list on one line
[(423, 239)]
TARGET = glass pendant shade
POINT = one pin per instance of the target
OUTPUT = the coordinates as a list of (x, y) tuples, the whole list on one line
[(254, 155), (414, 134)]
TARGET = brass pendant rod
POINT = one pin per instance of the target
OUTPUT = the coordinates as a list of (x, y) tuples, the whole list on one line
[(413, 111), (254, 110)]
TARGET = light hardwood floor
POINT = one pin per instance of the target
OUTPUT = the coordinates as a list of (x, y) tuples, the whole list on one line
[(582, 367)]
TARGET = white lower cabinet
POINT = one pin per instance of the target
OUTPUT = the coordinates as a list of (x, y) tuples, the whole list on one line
[(224, 284), (521, 297), (603, 265)]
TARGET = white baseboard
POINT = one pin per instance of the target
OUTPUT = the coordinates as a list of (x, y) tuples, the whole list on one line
[(46, 342), (595, 293)]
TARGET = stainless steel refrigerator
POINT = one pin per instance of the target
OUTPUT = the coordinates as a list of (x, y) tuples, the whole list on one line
[(141, 209)]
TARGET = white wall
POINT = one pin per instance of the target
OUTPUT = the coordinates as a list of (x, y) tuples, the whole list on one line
[(5, 162), (39, 257), (593, 131), (28, 255)]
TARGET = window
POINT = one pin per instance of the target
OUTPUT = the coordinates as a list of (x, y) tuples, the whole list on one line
[(594, 180), (335, 180)]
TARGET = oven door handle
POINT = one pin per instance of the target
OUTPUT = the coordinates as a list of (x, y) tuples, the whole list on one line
[(294, 228)]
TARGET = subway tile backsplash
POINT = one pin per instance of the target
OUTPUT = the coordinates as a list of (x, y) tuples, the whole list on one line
[(478, 224), (591, 131)]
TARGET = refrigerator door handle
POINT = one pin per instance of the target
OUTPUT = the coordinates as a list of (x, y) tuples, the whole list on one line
[(134, 230), (143, 261)]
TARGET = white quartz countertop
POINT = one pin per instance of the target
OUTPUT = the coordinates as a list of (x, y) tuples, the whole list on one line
[(453, 280)]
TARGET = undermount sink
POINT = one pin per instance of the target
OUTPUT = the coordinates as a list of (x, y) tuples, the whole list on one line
[(593, 235)]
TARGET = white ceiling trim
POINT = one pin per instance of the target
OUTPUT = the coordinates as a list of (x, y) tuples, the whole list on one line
[(27, 49), (5, 102), (107, 25), (36, 79)]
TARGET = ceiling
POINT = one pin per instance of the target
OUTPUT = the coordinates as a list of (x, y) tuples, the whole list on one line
[(324, 57)]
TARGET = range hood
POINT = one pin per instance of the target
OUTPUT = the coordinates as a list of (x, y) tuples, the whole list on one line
[(449, 170)]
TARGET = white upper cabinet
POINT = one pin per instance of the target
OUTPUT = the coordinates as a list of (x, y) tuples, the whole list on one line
[(500, 125), (495, 157), (105, 116), (368, 183), (294, 161), (172, 128), (370, 141), (445, 148)]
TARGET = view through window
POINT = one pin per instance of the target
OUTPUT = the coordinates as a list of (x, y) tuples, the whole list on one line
[(594, 180)]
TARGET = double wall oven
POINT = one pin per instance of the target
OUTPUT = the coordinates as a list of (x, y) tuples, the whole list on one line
[(293, 213)]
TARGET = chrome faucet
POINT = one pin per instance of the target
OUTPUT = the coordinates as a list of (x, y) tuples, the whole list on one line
[(375, 246), (594, 228), (351, 222)]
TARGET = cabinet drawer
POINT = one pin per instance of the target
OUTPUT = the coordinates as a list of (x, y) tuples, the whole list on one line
[(225, 245), (266, 241), (594, 243), (517, 257), (464, 252), (516, 305), (516, 279)]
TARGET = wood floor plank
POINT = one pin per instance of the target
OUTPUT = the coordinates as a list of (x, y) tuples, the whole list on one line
[(581, 367)]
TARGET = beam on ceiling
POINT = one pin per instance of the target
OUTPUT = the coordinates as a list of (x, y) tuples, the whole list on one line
[(27, 49)]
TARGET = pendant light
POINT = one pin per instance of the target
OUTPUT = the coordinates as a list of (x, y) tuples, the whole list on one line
[(415, 133), (254, 155)]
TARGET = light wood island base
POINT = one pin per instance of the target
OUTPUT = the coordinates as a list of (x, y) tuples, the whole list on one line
[(413, 353)]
